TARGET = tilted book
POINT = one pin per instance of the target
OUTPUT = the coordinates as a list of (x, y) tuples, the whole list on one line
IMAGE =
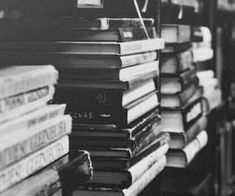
[(178, 120), (18, 79), (182, 158), (134, 189), (177, 62), (174, 83), (32, 163), (55, 177), (82, 47)]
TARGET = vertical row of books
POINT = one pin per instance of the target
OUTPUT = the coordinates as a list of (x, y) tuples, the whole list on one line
[(34, 135), (182, 106)]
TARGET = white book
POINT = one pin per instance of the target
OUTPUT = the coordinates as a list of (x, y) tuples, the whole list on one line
[(31, 164), (18, 79)]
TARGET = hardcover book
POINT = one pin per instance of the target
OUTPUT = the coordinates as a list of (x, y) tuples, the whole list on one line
[(179, 120), (82, 47), (182, 158)]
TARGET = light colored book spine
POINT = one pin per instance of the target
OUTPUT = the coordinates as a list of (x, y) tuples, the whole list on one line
[(25, 142), (25, 103), (142, 166), (130, 60), (31, 164), (32, 119), (141, 46), (25, 81), (146, 178), (44, 183)]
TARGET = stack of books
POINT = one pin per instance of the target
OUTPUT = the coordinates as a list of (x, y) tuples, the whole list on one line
[(33, 134), (110, 91), (202, 54), (181, 103)]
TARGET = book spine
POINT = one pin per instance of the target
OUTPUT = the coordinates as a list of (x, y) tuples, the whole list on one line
[(141, 46), (35, 139), (130, 60), (146, 178), (45, 183), (17, 84), (192, 113), (33, 163), (13, 102), (34, 100), (93, 98)]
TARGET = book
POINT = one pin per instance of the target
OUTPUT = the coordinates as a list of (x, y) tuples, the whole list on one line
[(182, 158), (50, 180), (103, 97), (202, 54), (117, 85), (129, 155), (17, 105), (173, 83), (32, 163), (122, 74), (176, 48), (82, 47), (100, 163), (113, 131), (110, 115), (177, 63), (125, 179), (141, 139), (180, 99), (204, 76), (180, 140), (176, 33), (18, 79), (17, 144), (134, 189), (71, 23), (75, 60), (178, 120), (123, 34)]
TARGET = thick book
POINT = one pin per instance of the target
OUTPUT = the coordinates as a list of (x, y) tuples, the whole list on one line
[(101, 164), (179, 120), (174, 83), (182, 158), (141, 139), (134, 189), (123, 34), (83, 47), (176, 33), (180, 99), (129, 155), (111, 115), (202, 54), (103, 97), (19, 143), (71, 23), (33, 163), (18, 79), (181, 140), (124, 179), (21, 104), (113, 131), (122, 74), (176, 48), (177, 62), (65, 175), (117, 85)]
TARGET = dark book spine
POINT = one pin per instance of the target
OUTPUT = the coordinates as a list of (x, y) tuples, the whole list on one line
[(76, 98), (192, 113)]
